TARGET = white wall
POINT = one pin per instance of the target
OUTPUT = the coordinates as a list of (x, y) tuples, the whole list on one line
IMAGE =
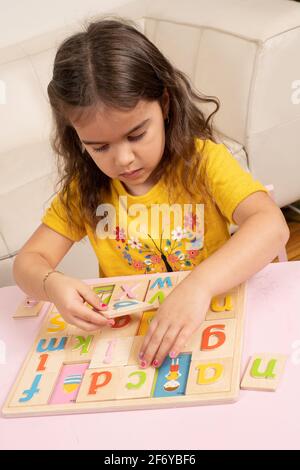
[(21, 20), (25, 60)]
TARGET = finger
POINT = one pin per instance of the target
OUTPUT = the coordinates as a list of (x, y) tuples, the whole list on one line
[(83, 325), (152, 327), (154, 344), (180, 341), (166, 345), (88, 315), (92, 298)]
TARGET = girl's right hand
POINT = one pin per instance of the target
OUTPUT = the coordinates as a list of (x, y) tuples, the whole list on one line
[(69, 296)]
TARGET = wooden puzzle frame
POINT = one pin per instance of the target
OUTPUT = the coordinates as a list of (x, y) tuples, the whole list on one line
[(233, 318)]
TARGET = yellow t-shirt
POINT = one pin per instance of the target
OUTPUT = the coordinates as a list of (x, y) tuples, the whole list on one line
[(152, 243)]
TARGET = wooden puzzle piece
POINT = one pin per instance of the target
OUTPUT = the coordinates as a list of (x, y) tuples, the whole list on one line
[(125, 290), (135, 382), (223, 306), (210, 376), (45, 361), (99, 384), (146, 319), (159, 288), (120, 308), (28, 308), (37, 382), (104, 292), (81, 347), (69, 380), (55, 344), (264, 372), (111, 352), (35, 389), (54, 324), (171, 377), (124, 326), (213, 339)]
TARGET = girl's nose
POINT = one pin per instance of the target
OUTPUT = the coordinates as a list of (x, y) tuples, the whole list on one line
[(124, 158)]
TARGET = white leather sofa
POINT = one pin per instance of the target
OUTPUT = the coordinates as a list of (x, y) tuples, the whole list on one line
[(246, 52)]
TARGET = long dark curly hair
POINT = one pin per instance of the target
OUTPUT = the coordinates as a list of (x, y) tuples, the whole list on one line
[(111, 62)]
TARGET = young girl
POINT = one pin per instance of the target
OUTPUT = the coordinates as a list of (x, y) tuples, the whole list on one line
[(130, 140)]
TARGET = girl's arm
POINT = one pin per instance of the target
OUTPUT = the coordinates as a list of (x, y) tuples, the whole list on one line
[(262, 232), (40, 254)]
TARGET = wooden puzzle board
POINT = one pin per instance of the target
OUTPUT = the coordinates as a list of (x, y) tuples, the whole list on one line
[(69, 370)]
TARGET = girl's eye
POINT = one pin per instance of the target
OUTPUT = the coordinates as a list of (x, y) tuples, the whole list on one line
[(133, 138)]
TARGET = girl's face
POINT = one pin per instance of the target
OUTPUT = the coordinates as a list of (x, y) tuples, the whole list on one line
[(120, 142)]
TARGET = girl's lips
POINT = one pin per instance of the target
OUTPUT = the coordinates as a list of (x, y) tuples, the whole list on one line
[(133, 173)]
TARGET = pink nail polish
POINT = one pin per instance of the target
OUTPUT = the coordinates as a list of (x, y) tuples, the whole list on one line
[(155, 363), (141, 355), (173, 354), (143, 363)]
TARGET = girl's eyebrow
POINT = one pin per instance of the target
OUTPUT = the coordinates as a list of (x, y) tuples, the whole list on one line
[(90, 142)]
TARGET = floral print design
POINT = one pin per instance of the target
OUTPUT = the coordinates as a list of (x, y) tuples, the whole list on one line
[(176, 254)]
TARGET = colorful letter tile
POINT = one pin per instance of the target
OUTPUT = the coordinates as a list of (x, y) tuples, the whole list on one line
[(264, 372), (171, 377), (112, 352), (135, 382), (209, 376), (68, 384), (99, 384)]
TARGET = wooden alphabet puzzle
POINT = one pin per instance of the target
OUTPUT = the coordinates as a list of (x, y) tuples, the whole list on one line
[(69, 370)]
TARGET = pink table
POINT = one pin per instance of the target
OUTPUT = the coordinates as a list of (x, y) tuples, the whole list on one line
[(259, 420)]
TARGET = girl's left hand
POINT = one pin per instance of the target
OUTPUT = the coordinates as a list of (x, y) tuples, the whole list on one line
[(181, 313)]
